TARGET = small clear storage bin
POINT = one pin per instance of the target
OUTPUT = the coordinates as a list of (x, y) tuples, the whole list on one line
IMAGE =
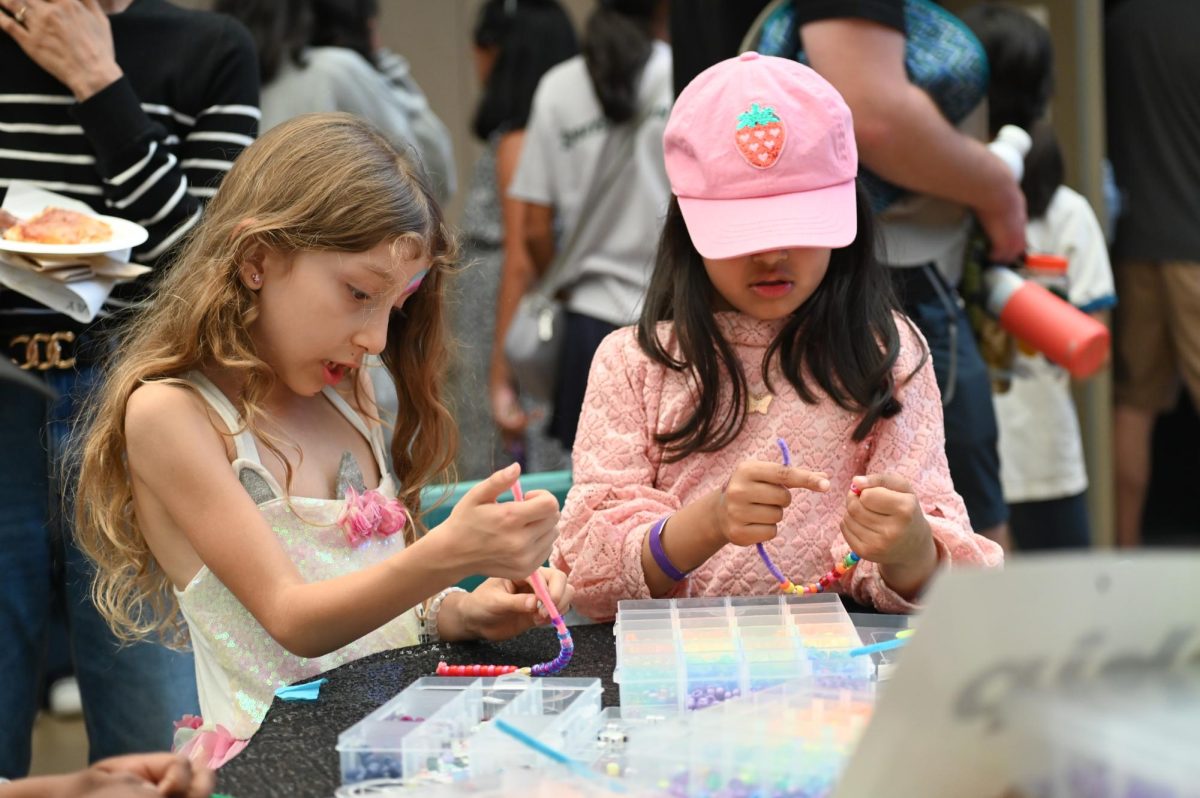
[(675, 655), (437, 729)]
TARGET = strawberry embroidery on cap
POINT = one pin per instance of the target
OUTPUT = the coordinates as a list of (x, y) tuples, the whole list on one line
[(760, 136)]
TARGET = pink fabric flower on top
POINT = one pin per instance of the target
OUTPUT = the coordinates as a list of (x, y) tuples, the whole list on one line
[(189, 722), (370, 513), (211, 748)]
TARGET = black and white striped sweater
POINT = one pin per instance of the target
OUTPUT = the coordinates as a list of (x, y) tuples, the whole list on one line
[(153, 146)]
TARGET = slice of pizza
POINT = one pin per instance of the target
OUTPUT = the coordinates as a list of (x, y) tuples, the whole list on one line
[(60, 226), (7, 220)]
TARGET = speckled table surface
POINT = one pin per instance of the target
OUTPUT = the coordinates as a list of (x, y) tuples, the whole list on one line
[(293, 754)]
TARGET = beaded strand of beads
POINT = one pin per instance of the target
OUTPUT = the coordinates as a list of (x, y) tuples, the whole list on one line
[(834, 575), (566, 646)]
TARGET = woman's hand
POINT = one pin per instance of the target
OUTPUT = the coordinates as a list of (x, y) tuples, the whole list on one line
[(502, 608), (753, 501), (884, 524), (70, 39), (508, 540)]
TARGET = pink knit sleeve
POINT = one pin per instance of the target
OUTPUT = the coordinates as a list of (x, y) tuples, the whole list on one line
[(613, 501), (913, 445)]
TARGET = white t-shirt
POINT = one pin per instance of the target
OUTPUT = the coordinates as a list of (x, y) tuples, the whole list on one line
[(563, 143), (1041, 452)]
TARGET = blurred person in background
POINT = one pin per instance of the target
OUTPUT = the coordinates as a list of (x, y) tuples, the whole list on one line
[(137, 109), (1153, 102), (619, 87), (325, 56), (514, 43), (1042, 467)]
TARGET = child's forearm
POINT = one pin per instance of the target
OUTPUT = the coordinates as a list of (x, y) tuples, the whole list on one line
[(688, 539), (313, 619), (908, 579), (452, 622)]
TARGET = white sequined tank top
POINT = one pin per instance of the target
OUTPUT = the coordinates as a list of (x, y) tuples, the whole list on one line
[(239, 666)]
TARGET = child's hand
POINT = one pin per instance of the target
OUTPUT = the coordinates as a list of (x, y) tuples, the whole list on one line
[(884, 524), (126, 776), (501, 608), (753, 501), (508, 540)]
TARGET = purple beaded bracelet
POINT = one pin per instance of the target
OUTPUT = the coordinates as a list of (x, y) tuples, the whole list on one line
[(660, 556)]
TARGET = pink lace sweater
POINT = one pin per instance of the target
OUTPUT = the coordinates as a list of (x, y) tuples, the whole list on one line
[(622, 485)]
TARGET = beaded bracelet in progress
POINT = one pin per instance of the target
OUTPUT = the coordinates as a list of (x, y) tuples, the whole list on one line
[(825, 582), (565, 643)]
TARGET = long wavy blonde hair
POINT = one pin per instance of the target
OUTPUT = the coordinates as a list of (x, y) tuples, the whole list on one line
[(318, 182)]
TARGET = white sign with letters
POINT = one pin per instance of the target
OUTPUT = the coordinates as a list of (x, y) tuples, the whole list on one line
[(939, 727)]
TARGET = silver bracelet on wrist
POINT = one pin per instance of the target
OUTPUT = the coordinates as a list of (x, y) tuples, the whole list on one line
[(429, 618)]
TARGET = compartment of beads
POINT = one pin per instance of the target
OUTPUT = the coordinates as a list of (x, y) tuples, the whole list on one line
[(437, 729), (675, 655)]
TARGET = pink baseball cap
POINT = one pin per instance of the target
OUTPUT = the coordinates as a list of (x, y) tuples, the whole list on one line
[(760, 152)]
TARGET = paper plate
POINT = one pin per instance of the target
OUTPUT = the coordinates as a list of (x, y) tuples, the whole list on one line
[(125, 235)]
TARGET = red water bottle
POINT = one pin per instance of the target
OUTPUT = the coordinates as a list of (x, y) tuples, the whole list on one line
[(1064, 334)]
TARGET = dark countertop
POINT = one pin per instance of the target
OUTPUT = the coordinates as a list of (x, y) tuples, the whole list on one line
[(294, 753)]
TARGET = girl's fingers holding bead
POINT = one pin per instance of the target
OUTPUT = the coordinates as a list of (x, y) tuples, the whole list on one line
[(886, 480), (862, 539), (861, 512), (890, 503)]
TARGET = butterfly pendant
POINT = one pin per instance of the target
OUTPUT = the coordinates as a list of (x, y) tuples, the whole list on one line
[(759, 404)]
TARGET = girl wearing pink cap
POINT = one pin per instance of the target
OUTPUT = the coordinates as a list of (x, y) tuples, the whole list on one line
[(767, 318)]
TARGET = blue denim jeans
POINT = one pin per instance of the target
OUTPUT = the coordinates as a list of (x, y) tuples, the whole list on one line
[(132, 693), (962, 377)]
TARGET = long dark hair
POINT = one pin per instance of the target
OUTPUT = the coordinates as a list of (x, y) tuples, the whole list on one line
[(345, 23), (1044, 170), (617, 43), (844, 336), (280, 29), (1020, 63), (530, 37)]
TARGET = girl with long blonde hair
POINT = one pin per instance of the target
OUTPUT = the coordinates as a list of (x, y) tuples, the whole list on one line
[(322, 246)]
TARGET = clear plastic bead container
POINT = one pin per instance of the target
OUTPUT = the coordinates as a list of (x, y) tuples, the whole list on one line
[(437, 729), (675, 655)]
